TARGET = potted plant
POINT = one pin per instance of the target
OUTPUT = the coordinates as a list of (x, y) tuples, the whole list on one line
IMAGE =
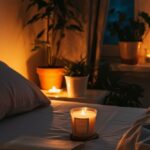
[(130, 33), (76, 76), (59, 17)]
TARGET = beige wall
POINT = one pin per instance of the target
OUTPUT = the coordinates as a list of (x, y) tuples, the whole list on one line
[(15, 41)]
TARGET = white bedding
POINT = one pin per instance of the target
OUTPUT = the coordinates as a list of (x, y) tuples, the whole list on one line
[(111, 123)]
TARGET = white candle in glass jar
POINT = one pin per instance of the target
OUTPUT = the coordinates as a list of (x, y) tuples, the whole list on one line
[(83, 121)]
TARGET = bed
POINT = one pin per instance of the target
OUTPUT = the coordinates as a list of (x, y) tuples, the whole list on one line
[(26, 112), (54, 122)]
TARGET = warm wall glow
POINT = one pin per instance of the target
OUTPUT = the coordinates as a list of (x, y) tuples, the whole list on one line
[(11, 37), (147, 53), (16, 41)]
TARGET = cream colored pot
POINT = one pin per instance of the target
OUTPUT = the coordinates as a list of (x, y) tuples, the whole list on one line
[(129, 52)]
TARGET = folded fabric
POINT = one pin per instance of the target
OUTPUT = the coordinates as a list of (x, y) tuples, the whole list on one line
[(36, 143), (143, 138), (138, 136), (18, 94)]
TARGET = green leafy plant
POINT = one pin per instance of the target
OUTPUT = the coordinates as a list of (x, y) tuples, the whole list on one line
[(128, 29), (121, 93), (60, 16), (77, 69), (126, 95)]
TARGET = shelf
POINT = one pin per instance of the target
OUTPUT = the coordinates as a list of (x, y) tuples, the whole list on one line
[(131, 68), (92, 96), (116, 65)]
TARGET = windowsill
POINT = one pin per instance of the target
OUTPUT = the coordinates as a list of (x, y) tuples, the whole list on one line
[(92, 96), (116, 65), (131, 68)]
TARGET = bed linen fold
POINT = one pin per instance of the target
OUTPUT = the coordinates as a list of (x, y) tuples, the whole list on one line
[(36, 143), (138, 136)]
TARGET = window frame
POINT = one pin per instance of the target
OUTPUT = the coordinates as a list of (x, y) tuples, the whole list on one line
[(112, 50)]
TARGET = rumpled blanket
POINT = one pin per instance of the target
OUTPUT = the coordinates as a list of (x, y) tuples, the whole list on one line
[(138, 136)]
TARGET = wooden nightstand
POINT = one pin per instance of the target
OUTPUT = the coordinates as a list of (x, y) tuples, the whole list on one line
[(92, 96)]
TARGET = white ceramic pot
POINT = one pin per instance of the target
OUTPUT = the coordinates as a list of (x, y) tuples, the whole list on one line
[(76, 86), (129, 52)]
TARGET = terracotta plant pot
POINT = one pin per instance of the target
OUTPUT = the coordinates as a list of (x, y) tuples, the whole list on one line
[(50, 77), (76, 86), (129, 52)]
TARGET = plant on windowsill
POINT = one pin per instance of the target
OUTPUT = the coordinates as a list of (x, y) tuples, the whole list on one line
[(59, 16), (130, 33), (76, 76), (121, 93)]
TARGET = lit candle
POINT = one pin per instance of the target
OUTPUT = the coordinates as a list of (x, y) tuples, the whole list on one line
[(54, 90), (83, 121), (148, 57)]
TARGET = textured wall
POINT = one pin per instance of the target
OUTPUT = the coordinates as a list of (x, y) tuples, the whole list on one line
[(15, 41)]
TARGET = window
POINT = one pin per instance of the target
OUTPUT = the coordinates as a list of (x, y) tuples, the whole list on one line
[(126, 6)]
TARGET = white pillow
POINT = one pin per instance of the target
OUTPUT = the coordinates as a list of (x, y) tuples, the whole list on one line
[(17, 94)]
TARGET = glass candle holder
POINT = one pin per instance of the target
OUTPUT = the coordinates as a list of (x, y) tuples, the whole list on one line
[(83, 122)]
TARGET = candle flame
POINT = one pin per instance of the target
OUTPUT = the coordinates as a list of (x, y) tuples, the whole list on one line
[(148, 55), (83, 111), (54, 90)]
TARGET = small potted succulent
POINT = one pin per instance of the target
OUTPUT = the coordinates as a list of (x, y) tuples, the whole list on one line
[(76, 76), (130, 33), (59, 17)]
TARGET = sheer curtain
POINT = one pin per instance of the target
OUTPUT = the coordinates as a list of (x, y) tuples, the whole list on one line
[(96, 24)]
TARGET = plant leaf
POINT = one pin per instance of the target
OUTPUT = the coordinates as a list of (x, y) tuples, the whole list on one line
[(50, 27), (74, 27), (36, 47), (40, 42), (39, 35), (60, 24), (146, 17), (30, 5), (41, 4), (35, 18)]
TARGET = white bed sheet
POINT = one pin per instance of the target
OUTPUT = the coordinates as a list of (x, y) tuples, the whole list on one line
[(54, 122)]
